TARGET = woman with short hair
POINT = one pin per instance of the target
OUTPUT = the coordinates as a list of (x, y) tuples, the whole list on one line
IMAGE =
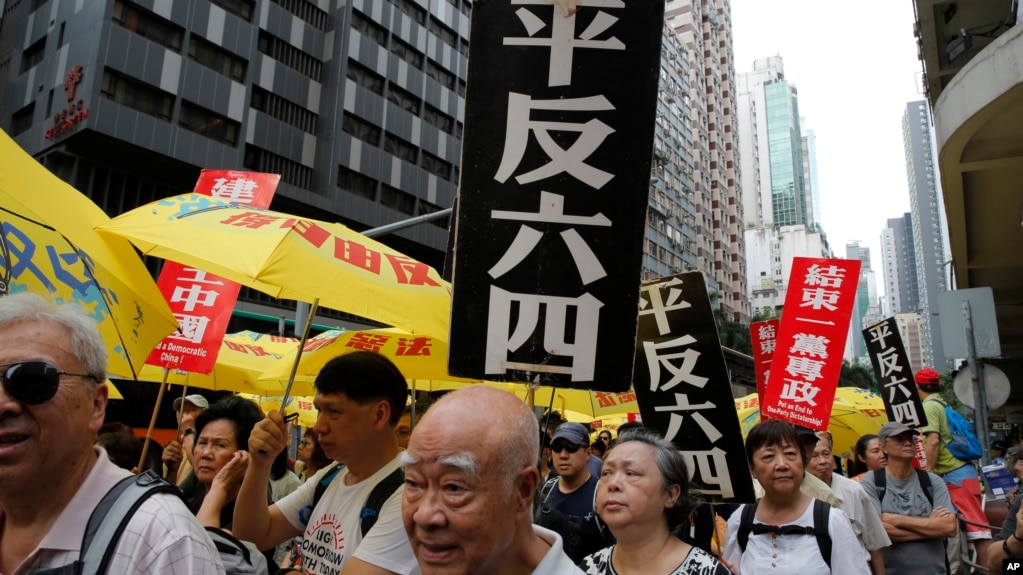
[(643, 494)]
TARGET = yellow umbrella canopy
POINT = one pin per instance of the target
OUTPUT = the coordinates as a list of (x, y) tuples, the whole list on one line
[(590, 404), (303, 406), (847, 423), (418, 357), (292, 258), (243, 357), (49, 246)]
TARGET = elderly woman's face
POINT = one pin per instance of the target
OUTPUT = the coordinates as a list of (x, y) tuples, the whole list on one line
[(214, 448), (631, 487), (778, 468)]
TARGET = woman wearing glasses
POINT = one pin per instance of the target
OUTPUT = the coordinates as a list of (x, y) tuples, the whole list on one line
[(311, 455), (643, 494)]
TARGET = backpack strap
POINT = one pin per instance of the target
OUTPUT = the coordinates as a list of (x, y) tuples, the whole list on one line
[(880, 484), (821, 515), (377, 498), (925, 484), (111, 516), (749, 512)]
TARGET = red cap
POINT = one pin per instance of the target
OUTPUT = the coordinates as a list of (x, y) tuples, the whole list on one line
[(928, 376)]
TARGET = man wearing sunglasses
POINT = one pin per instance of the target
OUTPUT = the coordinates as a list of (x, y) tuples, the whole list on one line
[(566, 503), (53, 369)]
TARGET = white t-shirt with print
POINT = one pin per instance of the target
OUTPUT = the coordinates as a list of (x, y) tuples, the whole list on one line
[(334, 532)]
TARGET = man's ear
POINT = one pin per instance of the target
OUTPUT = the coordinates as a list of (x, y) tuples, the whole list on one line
[(525, 486)]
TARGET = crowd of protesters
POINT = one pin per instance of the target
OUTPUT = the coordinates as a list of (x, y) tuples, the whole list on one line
[(473, 484)]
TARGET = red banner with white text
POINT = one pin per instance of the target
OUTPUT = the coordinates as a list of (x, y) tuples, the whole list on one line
[(763, 335), (811, 339), (203, 302)]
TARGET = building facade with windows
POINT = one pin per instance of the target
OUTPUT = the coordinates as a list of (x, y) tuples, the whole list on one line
[(928, 226), (358, 105)]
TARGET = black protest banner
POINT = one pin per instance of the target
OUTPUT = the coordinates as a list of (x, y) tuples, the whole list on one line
[(894, 373), (559, 127), (682, 386)]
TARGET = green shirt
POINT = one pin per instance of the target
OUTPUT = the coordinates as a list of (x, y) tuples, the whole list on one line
[(937, 422)]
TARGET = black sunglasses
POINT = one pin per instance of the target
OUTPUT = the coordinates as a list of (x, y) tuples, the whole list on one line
[(570, 447), (33, 382)]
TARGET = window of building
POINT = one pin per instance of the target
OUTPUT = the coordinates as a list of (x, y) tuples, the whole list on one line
[(284, 110), (365, 77), (403, 99), (399, 148), (436, 166), (439, 119), (22, 119), (37, 4), (307, 11), (361, 129), (148, 25), (240, 8), (208, 123), (289, 55), (216, 58), (397, 200), (356, 184), (435, 71), (445, 34), (292, 172), (33, 55), (136, 95), (406, 53), (369, 28), (411, 9)]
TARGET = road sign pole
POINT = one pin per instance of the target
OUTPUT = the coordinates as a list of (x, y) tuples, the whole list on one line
[(979, 393)]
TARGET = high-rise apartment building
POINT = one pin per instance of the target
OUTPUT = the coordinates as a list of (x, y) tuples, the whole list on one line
[(928, 226), (899, 267), (671, 239), (867, 311), (358, 105), (909, 331), (705, 28)]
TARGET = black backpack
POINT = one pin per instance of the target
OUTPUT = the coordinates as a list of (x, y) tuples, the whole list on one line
[(821, 516), (113, 513), (371, 511)]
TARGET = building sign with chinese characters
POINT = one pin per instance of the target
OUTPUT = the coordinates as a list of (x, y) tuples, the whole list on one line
[(683, 389), (895, 378), (811, 341), (559, 128), (68, 117), (763, 335), (203, 302)]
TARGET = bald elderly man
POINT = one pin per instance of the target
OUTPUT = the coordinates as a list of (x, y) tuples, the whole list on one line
[(470, 478)]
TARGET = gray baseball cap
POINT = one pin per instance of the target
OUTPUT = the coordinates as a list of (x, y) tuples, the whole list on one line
[(893, 428), (195, 399)]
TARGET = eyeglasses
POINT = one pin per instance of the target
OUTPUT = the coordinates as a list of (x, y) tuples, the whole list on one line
[(569, 447), (33, 382), (304, 443), (902, 438)]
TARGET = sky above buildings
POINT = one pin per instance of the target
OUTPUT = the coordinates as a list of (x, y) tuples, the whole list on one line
[(855, 67)]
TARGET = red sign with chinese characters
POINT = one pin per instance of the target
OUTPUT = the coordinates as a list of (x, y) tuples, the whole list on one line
[(763, 335), (811, 341), (203, 302)]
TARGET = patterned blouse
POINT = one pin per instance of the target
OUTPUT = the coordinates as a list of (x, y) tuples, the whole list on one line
[(697, 562)]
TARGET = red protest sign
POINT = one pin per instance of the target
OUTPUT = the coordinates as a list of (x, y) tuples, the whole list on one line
[(203, 302), (763, 334), (811, 341)]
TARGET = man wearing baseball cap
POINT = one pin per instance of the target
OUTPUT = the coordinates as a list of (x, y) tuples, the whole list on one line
[(177, 454), (916, 519), (565, 504), (960, 476)]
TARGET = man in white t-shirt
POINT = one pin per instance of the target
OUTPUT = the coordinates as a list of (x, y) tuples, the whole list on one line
[(470, 479), (360, 396), (866, 523), (53, 363)]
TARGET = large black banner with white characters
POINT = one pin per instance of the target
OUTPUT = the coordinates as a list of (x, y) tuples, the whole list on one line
[(683, 390), (556, 152), (894, 373)]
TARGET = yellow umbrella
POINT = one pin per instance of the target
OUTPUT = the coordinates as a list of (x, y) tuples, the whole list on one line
[(591, 404), (292, 258), (847, 423), (243, 357), (868, 402), (301, 405), (416, 356), (49, 246), (113, 392)]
